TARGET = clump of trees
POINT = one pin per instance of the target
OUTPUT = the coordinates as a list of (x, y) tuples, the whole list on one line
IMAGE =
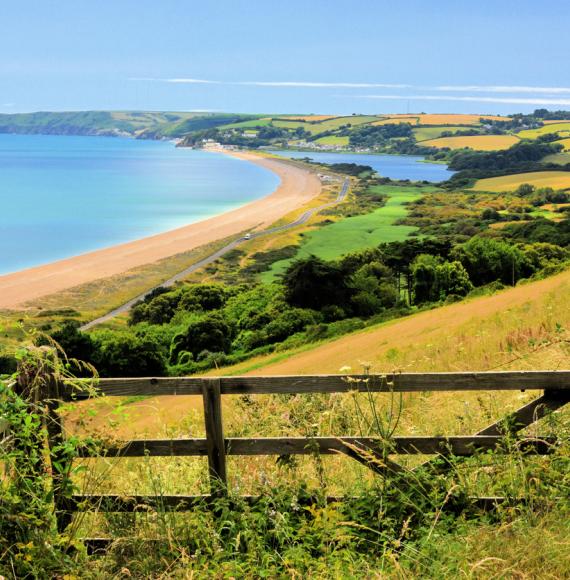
[(373, 136), (194, 327)]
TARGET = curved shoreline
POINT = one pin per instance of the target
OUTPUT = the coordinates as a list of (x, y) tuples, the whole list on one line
[(298, 186)]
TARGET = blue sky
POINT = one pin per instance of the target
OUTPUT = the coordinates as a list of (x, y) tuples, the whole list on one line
[(318, 56)]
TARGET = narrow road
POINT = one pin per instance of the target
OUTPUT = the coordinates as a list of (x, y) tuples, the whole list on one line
[(213, 257)]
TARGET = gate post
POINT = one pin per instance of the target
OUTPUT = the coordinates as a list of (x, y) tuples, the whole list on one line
[(211, 394)]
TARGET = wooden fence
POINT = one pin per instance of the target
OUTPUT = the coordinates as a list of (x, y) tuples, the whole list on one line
[(555, 384)]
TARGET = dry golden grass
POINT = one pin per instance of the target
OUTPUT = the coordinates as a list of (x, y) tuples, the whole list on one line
[(554, 179), (397, 120), (457, 119), (476, 334), (435, 119), (477, 142), (521, 328), (445, 119)]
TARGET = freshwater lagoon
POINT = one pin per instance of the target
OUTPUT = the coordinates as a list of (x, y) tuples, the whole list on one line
[(412, 167)]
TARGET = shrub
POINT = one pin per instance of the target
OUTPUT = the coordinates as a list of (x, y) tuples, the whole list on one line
[(212, 333), (314, 283), (127, 354)]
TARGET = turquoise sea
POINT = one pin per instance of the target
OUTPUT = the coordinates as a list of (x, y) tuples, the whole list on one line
[(61, 196)]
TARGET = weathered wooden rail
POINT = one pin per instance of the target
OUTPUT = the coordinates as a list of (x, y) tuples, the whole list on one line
[(372, 451)]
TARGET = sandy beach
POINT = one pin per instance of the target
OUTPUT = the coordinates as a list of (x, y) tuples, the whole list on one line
[(297, 187)]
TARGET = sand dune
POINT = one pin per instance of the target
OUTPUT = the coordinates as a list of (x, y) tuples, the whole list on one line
[(297, 187)]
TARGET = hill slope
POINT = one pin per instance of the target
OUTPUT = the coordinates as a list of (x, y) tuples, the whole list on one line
[(527, 327), (478, 334)]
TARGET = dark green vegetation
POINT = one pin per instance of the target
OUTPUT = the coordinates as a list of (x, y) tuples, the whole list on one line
[(522, 157), (196, 327)]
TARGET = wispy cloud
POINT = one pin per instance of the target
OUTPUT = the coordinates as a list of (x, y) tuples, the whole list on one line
[(307, 84), (503, 89), (492, 89), (323, 85), (470, 98), (178, 81)]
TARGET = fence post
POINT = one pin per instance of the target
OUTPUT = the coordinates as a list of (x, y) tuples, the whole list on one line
[(59, 461), (38, 385), (215, 436)]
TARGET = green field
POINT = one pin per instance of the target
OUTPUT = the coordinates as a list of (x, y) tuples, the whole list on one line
[(262, 122), (562, 128), (328, 125), (558, 158), (425, 133), (355, 233), (333, 140)]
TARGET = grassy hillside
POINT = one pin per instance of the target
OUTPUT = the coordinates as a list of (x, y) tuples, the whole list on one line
[(449, 119), (112, 123), (355, 233), (521, 328), (425, 133), (554, 179), (476, 142), (562, 128)]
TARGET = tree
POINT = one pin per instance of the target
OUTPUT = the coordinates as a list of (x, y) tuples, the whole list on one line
[(203, 297), (424, 278), (124, 354), (75, 344), (490, 214), (314, 283), (159, 310), (524, 189), (452, 278), (488, 259), (373, 289), (211, 332)]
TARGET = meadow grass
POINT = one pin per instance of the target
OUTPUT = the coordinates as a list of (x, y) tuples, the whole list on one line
[(554, 179), (354, 233), (262, 122), (528, 334), (558, 158), (425, 133), (562, 128), (328, 125), (395, 527), (439, 119), (333, 140), (476, 142), (397, 121), (310, 118), (456, 119)]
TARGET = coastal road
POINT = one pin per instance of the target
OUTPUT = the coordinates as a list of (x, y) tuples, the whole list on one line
[(222, 251)]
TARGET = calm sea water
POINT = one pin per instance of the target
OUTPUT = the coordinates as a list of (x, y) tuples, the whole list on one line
[(393, 166), (61, 196)]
